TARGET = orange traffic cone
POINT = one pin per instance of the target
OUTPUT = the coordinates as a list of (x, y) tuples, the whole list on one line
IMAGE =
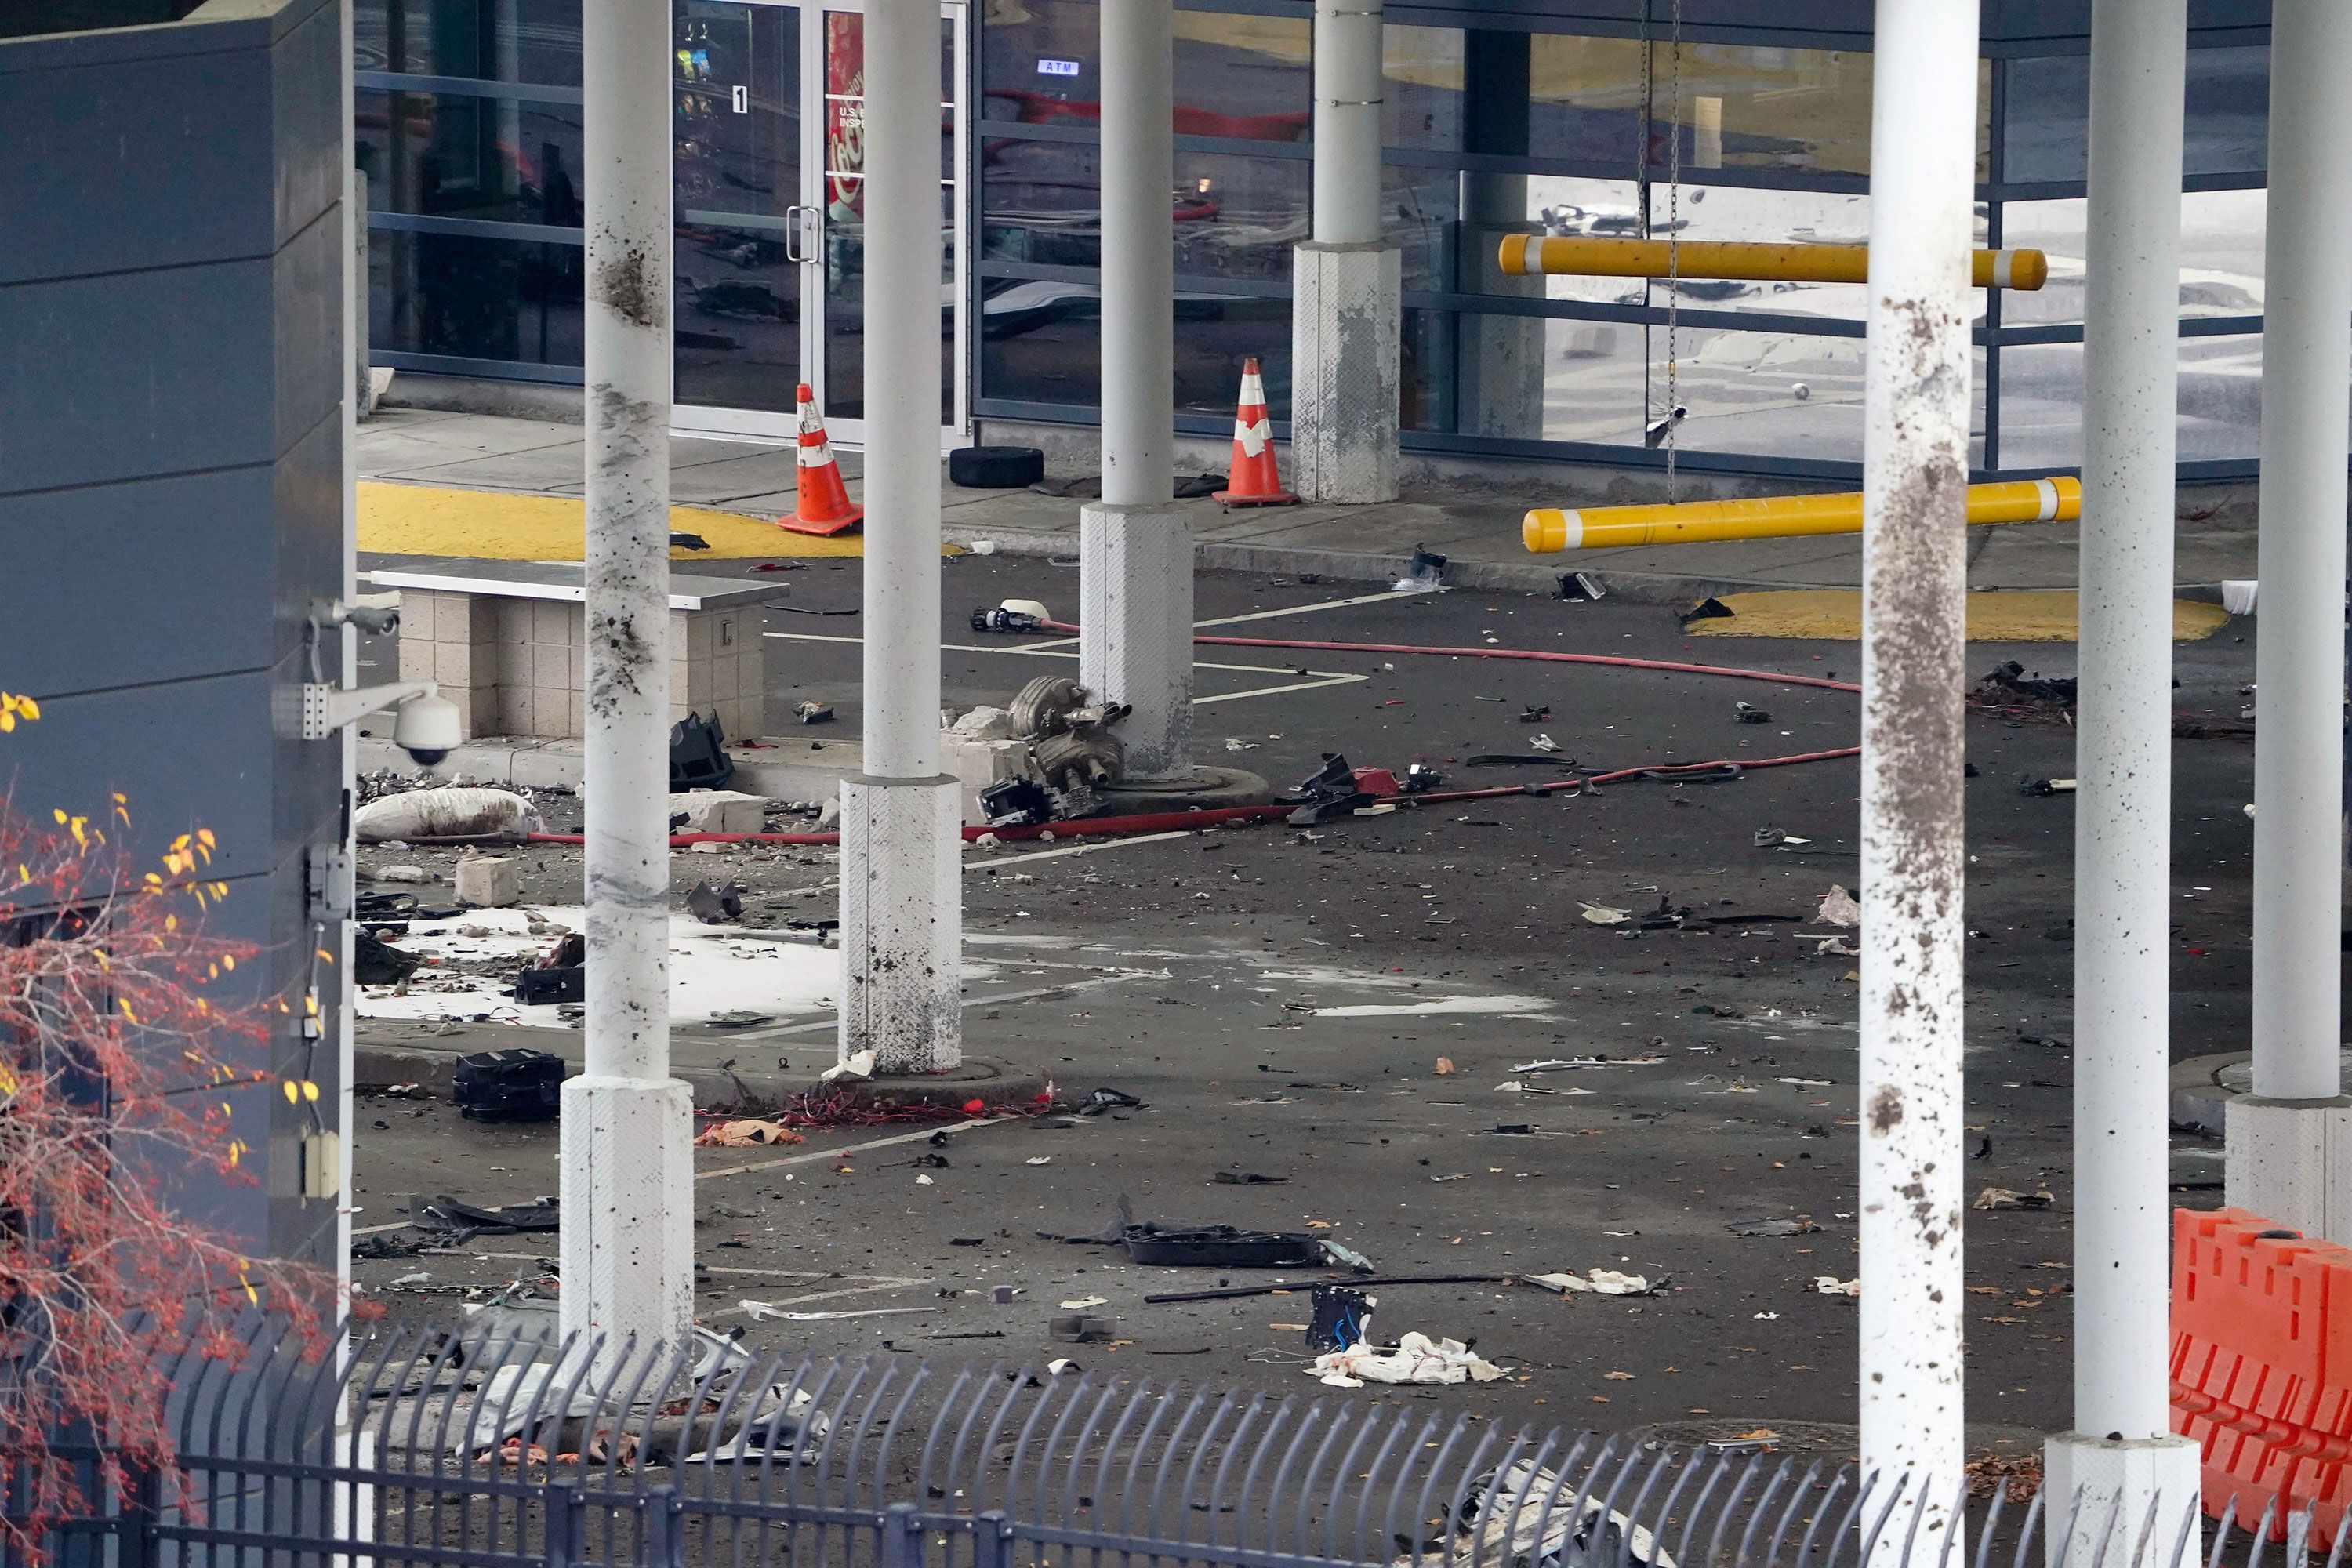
[(1256, 480), (823, 506)]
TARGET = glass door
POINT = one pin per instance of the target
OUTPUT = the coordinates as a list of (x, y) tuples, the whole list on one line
[(770, 212), (738, 212)]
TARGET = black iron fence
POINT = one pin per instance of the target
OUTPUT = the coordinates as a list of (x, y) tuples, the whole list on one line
[(496, 1445)]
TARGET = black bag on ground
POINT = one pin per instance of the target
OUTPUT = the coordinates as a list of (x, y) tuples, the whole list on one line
[(509, 1086)]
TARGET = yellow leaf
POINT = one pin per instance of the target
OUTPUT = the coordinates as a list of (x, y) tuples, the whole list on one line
[(310, 1091), (290, 1091)]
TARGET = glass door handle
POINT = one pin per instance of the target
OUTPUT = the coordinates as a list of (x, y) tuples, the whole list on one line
[(792, 230)]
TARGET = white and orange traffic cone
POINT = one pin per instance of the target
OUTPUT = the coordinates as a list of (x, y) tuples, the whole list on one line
[(1254, 481), (823, 505)]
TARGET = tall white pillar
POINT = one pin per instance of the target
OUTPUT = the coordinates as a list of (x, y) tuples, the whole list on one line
[(1915, 479), (627, 1187), (2122, 1453), (2290, 1142), (1345, 306), (1135, 548), (901, 892)]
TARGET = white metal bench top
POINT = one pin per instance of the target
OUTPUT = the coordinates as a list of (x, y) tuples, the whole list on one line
[(558, 580)]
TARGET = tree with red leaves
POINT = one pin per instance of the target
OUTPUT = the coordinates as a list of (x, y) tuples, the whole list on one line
[(121, 1031)]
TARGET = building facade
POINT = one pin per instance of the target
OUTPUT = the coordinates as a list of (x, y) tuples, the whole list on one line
[(1705, 119)]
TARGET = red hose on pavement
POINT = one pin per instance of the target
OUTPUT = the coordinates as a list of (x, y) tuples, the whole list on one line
[(1216, 816), (1065, 629), (1180, 821)]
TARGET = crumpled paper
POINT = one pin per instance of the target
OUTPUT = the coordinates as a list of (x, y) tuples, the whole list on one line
[(1416, 1358)]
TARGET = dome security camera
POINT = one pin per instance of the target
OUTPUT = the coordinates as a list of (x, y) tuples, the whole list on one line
[(427, 728)]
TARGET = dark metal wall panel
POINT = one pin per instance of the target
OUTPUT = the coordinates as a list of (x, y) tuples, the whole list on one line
[(171, 486)]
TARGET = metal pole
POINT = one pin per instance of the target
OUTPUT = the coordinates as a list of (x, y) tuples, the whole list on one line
[(2287, 1138), (1346, 280), (901, 897), (1915, 480), (1135, 549), (1348, 90), (2123, 833), (2299, 645), (628, 1234), (1138, 256), (2121, 1454)]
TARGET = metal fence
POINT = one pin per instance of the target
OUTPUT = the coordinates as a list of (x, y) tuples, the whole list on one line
[(495, 1443)]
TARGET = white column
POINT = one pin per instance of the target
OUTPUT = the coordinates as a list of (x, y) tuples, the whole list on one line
[(627, 1190), (2288, 1141), (1134, 548), (1345, 309), (901, 902), (2122, 1453), (1915, 476)]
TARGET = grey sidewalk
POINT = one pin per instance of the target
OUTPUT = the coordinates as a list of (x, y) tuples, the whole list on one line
[(2214, 539)]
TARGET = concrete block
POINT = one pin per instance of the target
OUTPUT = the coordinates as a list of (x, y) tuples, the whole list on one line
[(2290, 1161), (901, 923), (1344, 316), (720, 811), (488, 881), (1135, 595), (979, 764), (2118, 1479)]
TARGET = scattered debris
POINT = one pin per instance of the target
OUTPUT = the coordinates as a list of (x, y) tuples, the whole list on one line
[(1108, 1100), (2046, 786), (1426, 572), (1831, 1285), (1079, 1327), (1576, 586), (1773, 837), (857, 1067), (2007, 685), (1597, 1282), (451, 812), (377, 963), (1839, 908), (813, 712), (1246, 1179), (1708, 609), (748, 1132), (2005, 1198), (1602, 915), (1080, 1303), (1343, 1319), (1039, 1160), (1235, 1293), (1417, 1359), (519, 1085), (2020, 1474), (1527, 1514), (714, 905), (1444, 1067), (488, 881), (1543, 742), (757, 1309), (688, 542), (1750, 713), (1771, 1227), (697, 754)]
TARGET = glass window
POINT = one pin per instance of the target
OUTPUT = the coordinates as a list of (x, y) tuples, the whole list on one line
[(1235, 217), (474, 299), (1236, 74), (2222, 252), (1584, 95), (2220, 256), (1740, 108), (451, 157), (533, 41), (1421, 97), (2042, 406), (2226, 130), (2221, 398), (1040, 341)]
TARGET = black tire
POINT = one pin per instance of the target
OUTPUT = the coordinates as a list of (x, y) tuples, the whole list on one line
[(996, 468)]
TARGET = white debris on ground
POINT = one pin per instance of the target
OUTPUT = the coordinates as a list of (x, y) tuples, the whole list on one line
[(1416, 1358), (713, 970), (1600, 1282), (1831, 1285), (452, 813), (1503, 1007)]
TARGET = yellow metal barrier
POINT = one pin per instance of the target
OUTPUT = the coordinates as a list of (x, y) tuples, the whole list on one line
[(1548, 529), (1526, 254)]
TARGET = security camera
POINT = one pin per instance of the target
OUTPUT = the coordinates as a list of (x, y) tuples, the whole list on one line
[(425, 724), (427, 728)]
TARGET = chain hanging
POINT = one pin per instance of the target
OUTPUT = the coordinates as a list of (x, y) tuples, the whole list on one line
[(1674, 243)]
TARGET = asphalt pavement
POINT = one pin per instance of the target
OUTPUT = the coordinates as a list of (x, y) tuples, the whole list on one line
[(1338, 1009)]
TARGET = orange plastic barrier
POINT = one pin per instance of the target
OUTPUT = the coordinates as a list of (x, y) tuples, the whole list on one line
[(2261, 1365)]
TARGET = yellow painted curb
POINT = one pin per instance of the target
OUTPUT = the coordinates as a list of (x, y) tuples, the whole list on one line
[(1836, 614), (500, 526)]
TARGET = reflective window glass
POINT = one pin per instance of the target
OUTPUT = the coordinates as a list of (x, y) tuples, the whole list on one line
[(446, 155), (1235, 217), (474, 299), (1236, 75), (2226, 130), (533, 41), (1039, 343)]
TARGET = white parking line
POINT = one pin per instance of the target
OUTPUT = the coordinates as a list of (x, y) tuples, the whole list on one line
[(1322, 678)]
